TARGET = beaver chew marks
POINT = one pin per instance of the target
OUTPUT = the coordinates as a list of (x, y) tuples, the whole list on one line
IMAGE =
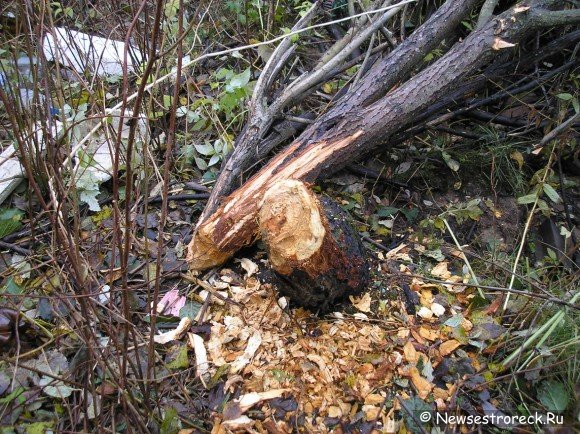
[(311, 246)]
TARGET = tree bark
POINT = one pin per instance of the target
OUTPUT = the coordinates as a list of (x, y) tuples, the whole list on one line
[(324, 148)]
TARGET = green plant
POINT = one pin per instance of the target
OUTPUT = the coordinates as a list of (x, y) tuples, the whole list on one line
[(209, 154)]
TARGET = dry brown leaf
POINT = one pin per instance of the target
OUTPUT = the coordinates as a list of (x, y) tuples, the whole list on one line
[(421, 384), (371, 412), (440, 270), (334, 411), (410, 353), (426, 296), (449, 346), (374, 399), (466, 324), (403, 333), (428, 334), (418, 337)]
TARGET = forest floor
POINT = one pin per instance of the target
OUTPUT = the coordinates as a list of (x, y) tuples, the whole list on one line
[(230, 352)]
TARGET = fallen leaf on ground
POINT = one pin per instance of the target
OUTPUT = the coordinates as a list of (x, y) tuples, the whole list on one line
[(410, 353), (171, 303), (422, 385), (174, 334), (448, 347), (440, 270)]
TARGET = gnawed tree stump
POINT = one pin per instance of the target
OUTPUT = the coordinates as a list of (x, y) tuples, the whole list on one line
[(311, 246)]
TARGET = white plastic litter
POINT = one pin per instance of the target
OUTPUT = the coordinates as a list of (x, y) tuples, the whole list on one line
[(11, 171), (82, 52)]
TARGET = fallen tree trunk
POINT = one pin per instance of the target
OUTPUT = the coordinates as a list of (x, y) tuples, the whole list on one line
[(235, 224), (254, 143), (316, 253)]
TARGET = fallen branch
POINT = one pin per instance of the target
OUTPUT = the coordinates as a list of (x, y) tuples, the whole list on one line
[(235, 223)]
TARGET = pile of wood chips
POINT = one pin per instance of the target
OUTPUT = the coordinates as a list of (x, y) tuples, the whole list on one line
[(293, 371)]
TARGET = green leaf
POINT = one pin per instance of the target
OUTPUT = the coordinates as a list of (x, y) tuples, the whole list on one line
[(10, 220), (204, 149), (551, 193), (387, 211), (167, 101), (453, 165), (170, 423), (554, 396), (14, 395), (11, 287), (435, 254), (543, 207), (90, 198), (199, 124), (190, 310), (213, 160), (57, 390), (218, 145), (418, 412), (454, 321), (564, 96), (529, 198), (215, 379), (181, 360), (182, 111), (39, 427), (240, 80), (410, 214), (228, 102), (200, 163), (223, 73)]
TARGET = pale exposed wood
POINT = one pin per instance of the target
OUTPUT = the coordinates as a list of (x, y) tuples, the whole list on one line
[(291, 224), (311, 246), (219, 238)]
